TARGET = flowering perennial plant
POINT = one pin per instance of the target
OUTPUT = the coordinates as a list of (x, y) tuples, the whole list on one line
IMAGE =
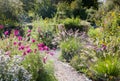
[(11, 68)]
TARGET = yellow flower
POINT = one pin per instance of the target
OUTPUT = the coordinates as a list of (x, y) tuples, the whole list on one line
[(113, 14)]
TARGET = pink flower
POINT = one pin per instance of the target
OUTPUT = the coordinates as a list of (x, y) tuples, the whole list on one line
[(20, 38), (41, 45), (54, 49), (46, 48), (7, 53), (6, 32), (28, 46), (15, 43), (51, 53), (103, 47), (19, 43), (28, 34), (24, 53), (16, 32), (41, 48), (44, 59), (29, 30), (33, 40), (1, 26), (29, 50), (21, 47), (35, 50)]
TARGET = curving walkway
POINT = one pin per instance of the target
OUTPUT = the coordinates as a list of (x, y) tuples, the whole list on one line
[(64, 72)]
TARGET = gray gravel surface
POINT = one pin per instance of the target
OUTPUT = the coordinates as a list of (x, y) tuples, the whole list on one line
[(64, 72)]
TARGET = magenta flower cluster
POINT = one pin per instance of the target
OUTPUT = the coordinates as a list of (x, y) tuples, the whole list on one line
[(43, 47), (24, 45)]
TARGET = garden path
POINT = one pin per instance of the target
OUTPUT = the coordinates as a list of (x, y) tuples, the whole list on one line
[(64, 72)]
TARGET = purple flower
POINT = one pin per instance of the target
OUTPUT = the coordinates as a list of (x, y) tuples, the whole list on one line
[(103, 47), (16, 32), (6, 32)]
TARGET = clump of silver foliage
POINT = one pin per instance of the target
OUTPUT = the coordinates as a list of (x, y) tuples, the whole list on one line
[(11, 68)]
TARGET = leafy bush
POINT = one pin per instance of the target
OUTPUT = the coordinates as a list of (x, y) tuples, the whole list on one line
[(45, 30), (95, 32), (46, 9), (69, 48), (73, 24), (78, 64), (107, 69), (63, 10), (10, 9)]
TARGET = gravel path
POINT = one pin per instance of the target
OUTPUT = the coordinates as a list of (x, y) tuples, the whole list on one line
[(64, 72)]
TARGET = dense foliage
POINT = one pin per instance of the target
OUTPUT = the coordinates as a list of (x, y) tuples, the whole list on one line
[(87, 32)]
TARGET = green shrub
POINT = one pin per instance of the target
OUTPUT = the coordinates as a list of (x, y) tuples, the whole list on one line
[(10, 9), (46, 9), (77, 9), (63, 10), (44, 31), (69, 48), (94, 33), (34, 65), (78, 64), (107, 69), (73, 24)]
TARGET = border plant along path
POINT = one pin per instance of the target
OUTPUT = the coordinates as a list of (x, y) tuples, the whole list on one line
[(64, 72)]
